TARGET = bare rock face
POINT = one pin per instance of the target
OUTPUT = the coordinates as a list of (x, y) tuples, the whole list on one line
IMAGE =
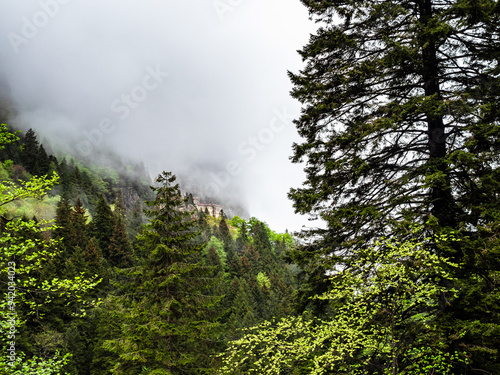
[(130, 197)]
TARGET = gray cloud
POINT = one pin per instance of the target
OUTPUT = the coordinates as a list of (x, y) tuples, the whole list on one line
[(95, 73)]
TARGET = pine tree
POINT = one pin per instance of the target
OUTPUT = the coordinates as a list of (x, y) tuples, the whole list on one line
[(264, 248), (235, 267), (30, 152), (243, 238), (63, 221), (224, 229), (64, 175), (243, 310), (120, 250), (79, 233), (213, 262), (202, 221), (43, 161), (102, 225), (92, 255), (400, 123), (169, 326)]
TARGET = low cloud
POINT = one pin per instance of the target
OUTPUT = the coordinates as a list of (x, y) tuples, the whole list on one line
[(194, 87)]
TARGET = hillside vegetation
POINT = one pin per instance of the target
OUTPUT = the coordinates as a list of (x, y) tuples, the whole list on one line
[(113, 244)]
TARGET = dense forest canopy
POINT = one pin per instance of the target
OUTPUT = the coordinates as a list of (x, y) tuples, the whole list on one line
[(107, 272), (400, 128), (119, 262)]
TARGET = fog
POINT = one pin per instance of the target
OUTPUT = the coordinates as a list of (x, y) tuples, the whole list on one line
[(196, 87)]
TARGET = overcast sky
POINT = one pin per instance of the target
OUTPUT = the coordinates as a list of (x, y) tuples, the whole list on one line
[(197, 87)]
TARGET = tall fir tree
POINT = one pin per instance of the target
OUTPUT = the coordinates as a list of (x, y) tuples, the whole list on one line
[(400, 122), (243, 238), (169, 326), (93, 257), (79, 228), (63, 221), (30, 152), (120, 249), (102, 225), (43, 161)]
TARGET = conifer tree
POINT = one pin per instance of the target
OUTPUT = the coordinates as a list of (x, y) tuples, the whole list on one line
[(243, 238), (43, 161), (202, 221), (243, 313), (224, 229), (92, 255), (102, 225), (120, 249), (64, 174), (213, 260), (79, 233), (401, 125), (235, 267), (169, 327), (63, 221), (30, 152)]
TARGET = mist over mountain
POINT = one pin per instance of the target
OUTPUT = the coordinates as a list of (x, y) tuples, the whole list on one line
[(192, 87)]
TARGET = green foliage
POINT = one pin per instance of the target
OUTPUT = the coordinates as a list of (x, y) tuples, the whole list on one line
[(237, 221), (102, 226), (26, 253), (7, 137), (218, 245), (35, 365), (169, 326), (382, 295), (5, 169), (30, 152), (43, 208), (393, 132), (120, 250), (400, 125), (263, 280), (183, 289)]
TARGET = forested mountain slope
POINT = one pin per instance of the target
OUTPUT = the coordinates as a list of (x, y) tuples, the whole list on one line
[(115, 233)]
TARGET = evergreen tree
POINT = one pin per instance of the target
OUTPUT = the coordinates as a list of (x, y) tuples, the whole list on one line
[(79, 233), (92, 255), (43, 161), (120, 250), (64, 175), (30, 152), (400, 123), (63, 221), (219, 286), (213, 260), (243, 310), (235, 267), (264, 248), (224, 229), (169, 327), (102, 225), (243, 238)]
